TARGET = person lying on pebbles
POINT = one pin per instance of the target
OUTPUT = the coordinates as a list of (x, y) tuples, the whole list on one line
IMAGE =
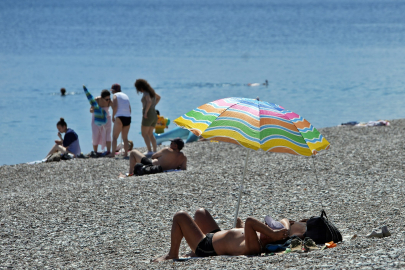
[(205, 238), (169, 158)]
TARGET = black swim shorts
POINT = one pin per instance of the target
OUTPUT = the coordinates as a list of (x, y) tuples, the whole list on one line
[(139, 166), (205, 247), (146, 161), (126, 121)]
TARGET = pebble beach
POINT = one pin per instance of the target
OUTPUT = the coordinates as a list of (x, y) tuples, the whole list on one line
[(79, 214)]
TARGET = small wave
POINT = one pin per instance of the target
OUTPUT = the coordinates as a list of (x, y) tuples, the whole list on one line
[(67, 94), (198, 85)]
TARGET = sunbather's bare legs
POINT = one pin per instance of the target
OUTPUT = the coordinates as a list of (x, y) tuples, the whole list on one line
[(205, 221), (134, 157), (183, 226), (56, 148)]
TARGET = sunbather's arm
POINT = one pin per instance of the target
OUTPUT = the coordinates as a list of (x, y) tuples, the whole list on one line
[(268, 235), (114, 107), (157, 99), (158, 154), (148, 104), (286, 223), (252, 243)]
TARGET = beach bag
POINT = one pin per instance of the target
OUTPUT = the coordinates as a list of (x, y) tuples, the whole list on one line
[(141, 169), (321, 230)]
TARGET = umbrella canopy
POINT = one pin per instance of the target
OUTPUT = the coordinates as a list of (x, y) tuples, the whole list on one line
[(100, 116), (255, 125)]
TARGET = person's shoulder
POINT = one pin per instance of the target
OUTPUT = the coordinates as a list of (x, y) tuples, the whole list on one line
[(71, 131)]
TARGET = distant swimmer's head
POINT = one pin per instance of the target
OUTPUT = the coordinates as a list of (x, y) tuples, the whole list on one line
[(142, 85), (115, 88), (61, 125), (62, 91)]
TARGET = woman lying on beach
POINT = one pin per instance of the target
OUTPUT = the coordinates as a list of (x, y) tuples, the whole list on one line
[(205, 238), (68, 144)]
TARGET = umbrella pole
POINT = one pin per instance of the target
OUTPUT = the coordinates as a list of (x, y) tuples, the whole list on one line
[(240, 189), (317, 180)]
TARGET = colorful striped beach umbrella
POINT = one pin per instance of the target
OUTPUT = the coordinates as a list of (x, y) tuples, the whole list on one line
[(255, 125), (100, 116)]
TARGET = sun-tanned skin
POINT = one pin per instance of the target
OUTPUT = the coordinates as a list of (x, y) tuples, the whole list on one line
[(249, 240), (168, 158), (297, 228)]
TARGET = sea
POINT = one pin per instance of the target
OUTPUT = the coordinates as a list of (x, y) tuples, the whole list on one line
[(330, 61)]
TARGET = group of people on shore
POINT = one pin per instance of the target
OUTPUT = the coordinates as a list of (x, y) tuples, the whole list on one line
[(107, 134)]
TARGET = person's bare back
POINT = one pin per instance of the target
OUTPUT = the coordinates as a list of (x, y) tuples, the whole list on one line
[(232, 242), (169, 159)]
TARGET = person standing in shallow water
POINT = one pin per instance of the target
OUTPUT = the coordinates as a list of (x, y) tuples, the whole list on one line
[(149, 115), (68, 144), (121, 118)]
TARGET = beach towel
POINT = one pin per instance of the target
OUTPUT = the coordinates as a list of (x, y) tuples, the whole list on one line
[(100, 115)]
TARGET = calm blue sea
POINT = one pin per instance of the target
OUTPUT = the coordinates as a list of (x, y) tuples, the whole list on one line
[(329, 61)]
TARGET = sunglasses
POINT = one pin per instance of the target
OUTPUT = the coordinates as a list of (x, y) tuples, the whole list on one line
[(107, 99)]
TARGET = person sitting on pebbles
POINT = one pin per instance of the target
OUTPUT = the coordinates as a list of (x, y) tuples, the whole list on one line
[(169, 158), (205, 238), (68, 144)]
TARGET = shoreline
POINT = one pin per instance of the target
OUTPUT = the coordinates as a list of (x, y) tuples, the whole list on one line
[(78, 214)]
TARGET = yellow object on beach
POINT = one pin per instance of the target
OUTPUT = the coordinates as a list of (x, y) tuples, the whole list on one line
[(161, 124)]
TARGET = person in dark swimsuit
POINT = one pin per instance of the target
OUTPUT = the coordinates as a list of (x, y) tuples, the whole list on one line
[(205, 238)]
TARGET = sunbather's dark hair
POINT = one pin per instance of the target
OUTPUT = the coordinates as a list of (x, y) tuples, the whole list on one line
[(143, 85), (62, 122), (105, 93)]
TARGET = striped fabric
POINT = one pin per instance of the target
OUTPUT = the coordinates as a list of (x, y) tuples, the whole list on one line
[(254, 124), (100, 116)]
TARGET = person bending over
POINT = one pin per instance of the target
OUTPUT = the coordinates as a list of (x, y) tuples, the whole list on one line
[(205, 238), (101, 135), (69, 144), (169, 158)]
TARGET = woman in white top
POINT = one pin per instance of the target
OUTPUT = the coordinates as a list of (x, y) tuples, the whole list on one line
[(121, 118)]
